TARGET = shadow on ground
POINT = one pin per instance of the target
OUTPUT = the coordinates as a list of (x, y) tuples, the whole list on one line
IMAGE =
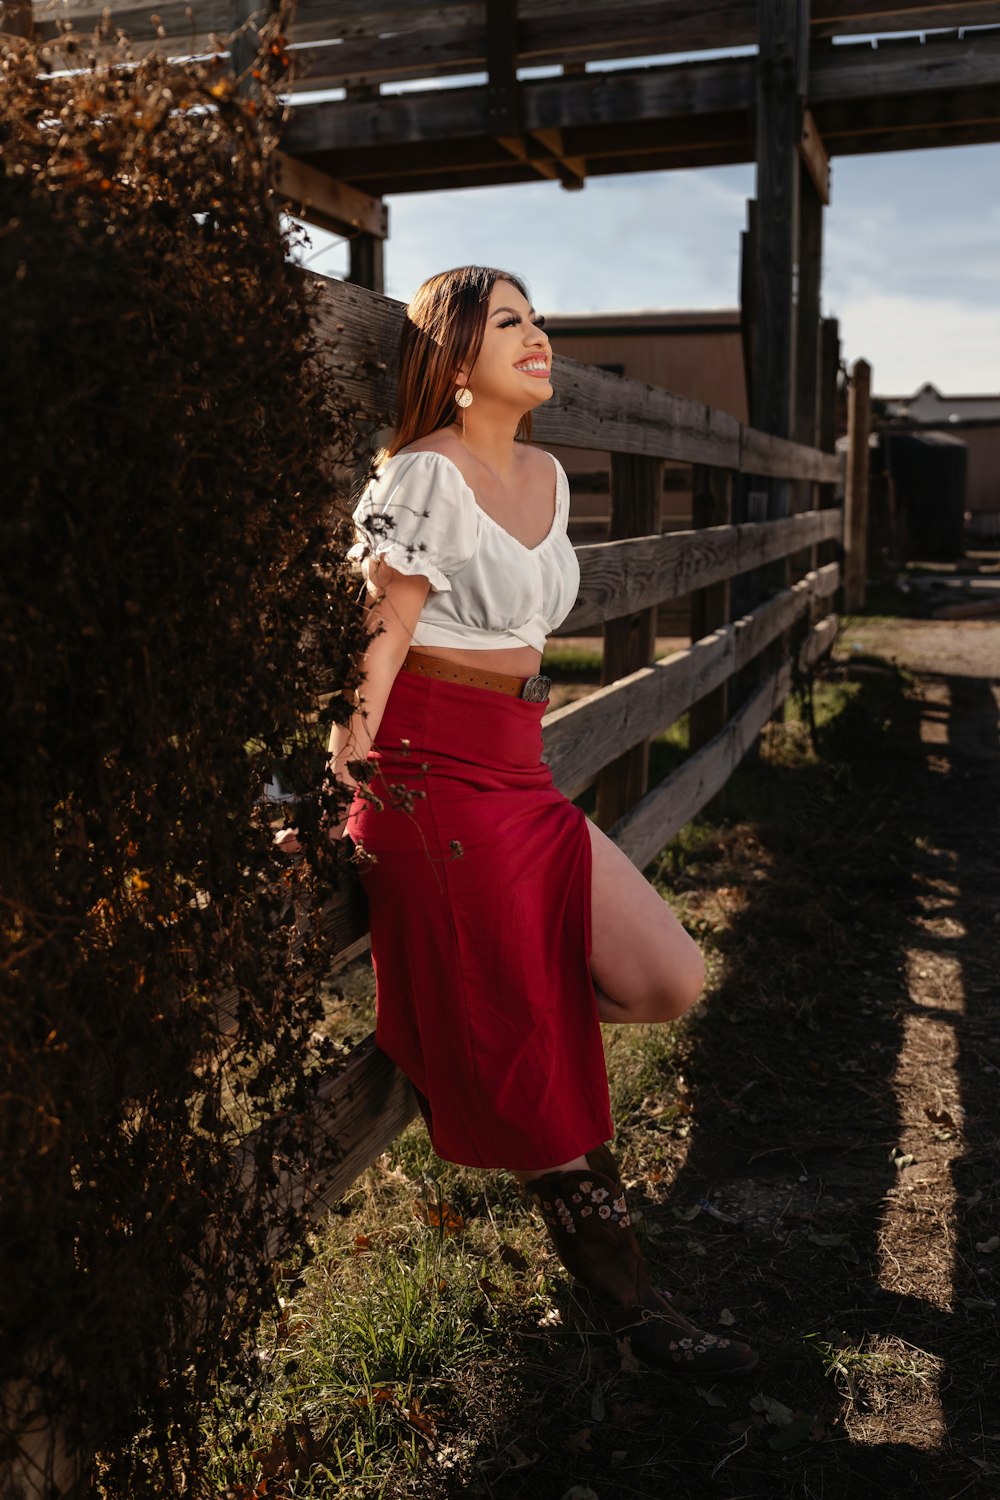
[(842, 1084)]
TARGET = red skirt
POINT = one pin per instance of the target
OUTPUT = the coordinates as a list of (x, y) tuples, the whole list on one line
[(479, 899)]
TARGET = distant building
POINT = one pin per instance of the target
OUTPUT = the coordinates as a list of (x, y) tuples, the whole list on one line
[(972, 420)]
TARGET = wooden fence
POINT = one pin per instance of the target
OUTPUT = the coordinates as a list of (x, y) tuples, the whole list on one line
[(603, 738)]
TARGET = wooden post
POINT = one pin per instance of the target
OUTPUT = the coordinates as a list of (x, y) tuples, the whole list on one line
[(856, 487), (629, 643), (367, 261), (782, 30), (779, 129), (826, 437), (805, 426), (365, 249), (711, 505), (16, 19)]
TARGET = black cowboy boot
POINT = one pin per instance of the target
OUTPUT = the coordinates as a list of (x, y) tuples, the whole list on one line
[(588, 1222)]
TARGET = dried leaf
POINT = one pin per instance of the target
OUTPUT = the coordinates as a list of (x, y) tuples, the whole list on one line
[(441, 1216), (580, 1492), (420, 1421), (978, 1304), (990, 1246), (361, 1242), (579, 1442), (629, 1364), (795, 1431), (841, 1242), (901, 1159), (687, 1214), (709, 1397), (618, 1457), (512, 1258), (597, 1402), (774, 1410), (939, 1117), (726, 1318)]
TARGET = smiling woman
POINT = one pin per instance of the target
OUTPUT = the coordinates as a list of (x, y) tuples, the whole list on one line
[(505, 926)]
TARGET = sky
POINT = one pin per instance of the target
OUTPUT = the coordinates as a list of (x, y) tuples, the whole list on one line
[(911, 252)]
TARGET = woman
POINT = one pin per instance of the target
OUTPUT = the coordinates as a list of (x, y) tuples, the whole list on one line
[(505, 925)]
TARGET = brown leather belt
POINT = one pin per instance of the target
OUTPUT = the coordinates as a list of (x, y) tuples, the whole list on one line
[(532, 689)]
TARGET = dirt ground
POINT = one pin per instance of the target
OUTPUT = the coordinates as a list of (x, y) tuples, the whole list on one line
[(830, 1183)]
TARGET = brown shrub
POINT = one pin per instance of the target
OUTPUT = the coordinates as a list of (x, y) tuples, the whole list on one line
[(172, 622)]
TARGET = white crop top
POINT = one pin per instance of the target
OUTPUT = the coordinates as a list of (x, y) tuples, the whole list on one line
[(488, 590)]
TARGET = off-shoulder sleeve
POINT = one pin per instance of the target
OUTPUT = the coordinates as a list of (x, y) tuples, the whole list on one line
[(418, 514)]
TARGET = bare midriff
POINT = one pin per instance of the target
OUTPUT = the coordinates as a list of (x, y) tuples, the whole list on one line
[(516, 661)]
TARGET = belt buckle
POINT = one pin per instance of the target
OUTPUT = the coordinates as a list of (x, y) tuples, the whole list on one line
[(536, 689)]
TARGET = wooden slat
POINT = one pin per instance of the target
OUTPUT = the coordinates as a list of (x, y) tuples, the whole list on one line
[(626, 576), (665, 810), (432, 39), (361, 1109), (583, 736)]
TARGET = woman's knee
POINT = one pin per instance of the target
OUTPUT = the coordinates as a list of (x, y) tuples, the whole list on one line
[(682, 983)]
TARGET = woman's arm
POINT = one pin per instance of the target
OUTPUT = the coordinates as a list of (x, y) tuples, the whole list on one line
[(394, 604)]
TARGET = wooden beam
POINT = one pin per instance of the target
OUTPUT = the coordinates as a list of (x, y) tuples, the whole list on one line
[(415, 135), (321, 200), (779, 128), (366, 261), (410, 40), (814, 157), (502, 98), (856, 487), (16, 19)]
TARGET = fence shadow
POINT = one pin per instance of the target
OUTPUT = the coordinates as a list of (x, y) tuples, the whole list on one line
[(843, 1078)]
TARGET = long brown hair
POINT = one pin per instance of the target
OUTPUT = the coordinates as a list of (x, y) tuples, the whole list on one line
[(443, 328)]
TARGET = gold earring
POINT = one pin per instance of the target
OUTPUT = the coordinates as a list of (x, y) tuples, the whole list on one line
[(463, 398)]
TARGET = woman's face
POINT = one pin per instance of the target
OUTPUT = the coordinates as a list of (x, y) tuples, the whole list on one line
[(515, 362)]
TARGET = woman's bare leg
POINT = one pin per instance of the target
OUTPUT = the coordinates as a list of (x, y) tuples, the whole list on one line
[(644, 965), (578, 1164)]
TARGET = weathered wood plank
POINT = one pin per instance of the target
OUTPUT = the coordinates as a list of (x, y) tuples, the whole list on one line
[(321, 200), (591, 408), (360, 1109), (417, 39), (626, 576), (583, 736)]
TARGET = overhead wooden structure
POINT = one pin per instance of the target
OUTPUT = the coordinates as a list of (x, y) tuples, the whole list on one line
[(908, 93)]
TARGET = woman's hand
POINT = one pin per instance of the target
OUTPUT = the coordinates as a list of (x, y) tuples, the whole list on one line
[(287, 839)]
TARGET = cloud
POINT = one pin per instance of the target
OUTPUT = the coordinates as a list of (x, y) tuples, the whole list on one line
[(908, 339)]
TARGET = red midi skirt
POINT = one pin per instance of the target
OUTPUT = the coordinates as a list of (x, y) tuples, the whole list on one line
[(479, 900)]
